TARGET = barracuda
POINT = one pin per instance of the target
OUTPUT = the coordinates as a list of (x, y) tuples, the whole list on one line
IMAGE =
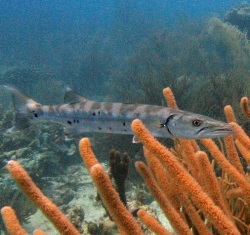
[(82, 115)]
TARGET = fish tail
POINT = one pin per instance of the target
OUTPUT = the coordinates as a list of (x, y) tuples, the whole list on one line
[(25, 108)]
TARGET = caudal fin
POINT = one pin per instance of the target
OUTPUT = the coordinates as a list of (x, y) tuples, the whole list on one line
[(23, 105)]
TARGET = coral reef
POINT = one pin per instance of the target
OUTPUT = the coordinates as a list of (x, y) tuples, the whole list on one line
[(45, 154), (171, 177), (76, 216), (158, 61), (209, 60), (239, 16), (107, 192), (40, 200), (107, 228), (196, 198), (233, 38)]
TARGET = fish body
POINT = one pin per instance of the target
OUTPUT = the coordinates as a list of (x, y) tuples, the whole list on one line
[(84, 115)]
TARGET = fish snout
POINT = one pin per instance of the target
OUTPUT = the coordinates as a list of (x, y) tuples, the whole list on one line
[(216, 131), (223, 130)]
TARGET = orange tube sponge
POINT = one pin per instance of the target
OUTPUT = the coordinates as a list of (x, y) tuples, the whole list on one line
[(39, 232), (232, 154), (244, 151), (217, 217), (152, 223), (110, 197), (121, 232), (111, 200), (169, 96), (227, 167), (189, 157), (228, 110), (85, 150), (51, 211), (211, 183), (174, 217), (161, 176), (241, 135), (11, 221), (245, 106), (173, 192)]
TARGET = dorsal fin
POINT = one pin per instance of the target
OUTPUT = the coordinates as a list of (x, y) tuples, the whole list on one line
[(72, 97)]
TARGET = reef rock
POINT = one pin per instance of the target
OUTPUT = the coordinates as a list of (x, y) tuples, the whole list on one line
[(239, 16)]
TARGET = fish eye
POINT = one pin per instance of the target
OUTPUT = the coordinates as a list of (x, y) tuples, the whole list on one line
[(196, 122)]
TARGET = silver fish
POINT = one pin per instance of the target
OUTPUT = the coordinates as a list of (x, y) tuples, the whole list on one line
[(83, 115)]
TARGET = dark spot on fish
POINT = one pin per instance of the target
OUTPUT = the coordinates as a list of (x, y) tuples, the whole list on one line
[(110, 128), (69, 122), (125, 130), (99, 128), (74, 120), (77, 121), (93, 113), (124, 124), (35, 114), (99, 112)]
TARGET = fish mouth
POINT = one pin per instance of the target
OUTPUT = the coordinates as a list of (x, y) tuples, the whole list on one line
[(216, 132)]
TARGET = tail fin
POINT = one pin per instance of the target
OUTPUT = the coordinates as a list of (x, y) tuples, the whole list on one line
[(23, 105)]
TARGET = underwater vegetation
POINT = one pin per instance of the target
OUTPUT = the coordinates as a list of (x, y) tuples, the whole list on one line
[(236, 40), (196, 198), (45, 154), (208, 59)]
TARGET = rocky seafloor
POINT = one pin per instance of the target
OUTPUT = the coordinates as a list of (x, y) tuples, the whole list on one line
[(53, 161)]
